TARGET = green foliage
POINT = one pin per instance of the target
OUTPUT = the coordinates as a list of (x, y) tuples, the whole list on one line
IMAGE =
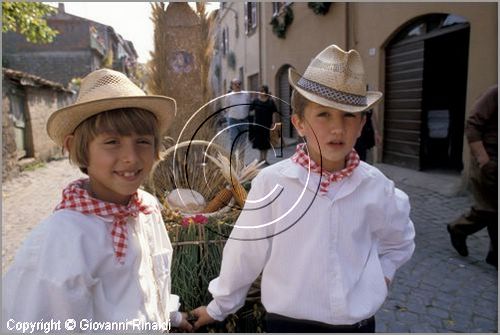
[(196, 261), (319, 8), (27, 18), (231, 60), (281, 22), (33, 166)]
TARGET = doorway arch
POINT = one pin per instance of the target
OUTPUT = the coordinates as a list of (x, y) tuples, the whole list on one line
[(425, 85)]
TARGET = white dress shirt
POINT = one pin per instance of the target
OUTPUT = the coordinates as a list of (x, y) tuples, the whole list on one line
[(67, 269), (240, 102), (329, 254)]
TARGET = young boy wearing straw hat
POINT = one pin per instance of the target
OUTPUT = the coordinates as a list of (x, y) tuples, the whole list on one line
[(103, 257), (326, 231)]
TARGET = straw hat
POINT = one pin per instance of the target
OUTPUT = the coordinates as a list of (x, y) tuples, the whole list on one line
[(104, 90), (335, 78)]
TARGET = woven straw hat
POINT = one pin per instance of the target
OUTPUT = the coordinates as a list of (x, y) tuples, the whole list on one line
[(104, 90), (335, 78)]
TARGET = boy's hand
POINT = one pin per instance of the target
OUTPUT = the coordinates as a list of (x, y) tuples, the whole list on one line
[(202, 317), (185, 325)]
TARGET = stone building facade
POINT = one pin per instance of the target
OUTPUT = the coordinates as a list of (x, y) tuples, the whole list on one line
[(431, 60), (27, 102), (80, 47)]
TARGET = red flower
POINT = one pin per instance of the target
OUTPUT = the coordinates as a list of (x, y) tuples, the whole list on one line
[(197, 219), (200, 219)]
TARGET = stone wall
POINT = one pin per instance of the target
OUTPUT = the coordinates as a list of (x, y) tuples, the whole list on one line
[(67, 57), (39, 102), (10, 168)]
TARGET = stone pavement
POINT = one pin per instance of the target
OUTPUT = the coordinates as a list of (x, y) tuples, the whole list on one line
[(438, 290)]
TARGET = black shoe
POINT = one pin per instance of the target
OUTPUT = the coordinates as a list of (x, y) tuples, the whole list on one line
[(458, 242), (492, 259)]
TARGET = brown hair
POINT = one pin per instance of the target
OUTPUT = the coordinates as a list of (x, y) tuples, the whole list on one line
[(298, 103), (124, 121)]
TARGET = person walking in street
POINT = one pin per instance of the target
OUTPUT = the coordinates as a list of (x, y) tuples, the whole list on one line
[(327, 258), (264, 109), (237, 104), (104, 254), (370, 136), (482, 135)]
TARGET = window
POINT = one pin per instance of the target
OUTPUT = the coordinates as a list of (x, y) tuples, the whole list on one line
[(427, 24), (250, 17), (225, 40)]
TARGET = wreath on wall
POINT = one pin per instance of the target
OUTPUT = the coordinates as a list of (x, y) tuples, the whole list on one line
[(231, 60), (319, 8), (281, 22)]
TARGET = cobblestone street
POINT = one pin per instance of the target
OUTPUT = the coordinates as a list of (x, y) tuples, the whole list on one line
[(436, 291)]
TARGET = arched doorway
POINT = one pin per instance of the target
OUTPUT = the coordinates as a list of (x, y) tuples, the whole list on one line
[(284, 92), (425, 87)]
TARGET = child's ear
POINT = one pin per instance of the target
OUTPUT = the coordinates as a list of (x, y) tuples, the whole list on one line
[(298, 124), (67, 142)]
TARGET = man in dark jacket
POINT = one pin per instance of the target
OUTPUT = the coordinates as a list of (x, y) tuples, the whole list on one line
[(482, 134)]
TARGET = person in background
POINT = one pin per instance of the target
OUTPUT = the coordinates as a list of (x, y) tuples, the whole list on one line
[(481, 131), (237, 104), (264, 108), (370, 136)]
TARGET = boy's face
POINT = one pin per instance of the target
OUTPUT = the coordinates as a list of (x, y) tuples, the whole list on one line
[(330, 133), (118, 165)]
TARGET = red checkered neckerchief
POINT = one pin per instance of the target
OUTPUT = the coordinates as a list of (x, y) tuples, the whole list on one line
[(302, 158), (77, 198)]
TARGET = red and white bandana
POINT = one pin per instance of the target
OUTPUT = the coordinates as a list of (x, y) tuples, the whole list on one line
[(302, 158), (77, 198)]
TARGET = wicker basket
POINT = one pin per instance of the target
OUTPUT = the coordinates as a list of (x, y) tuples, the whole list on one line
[(185, 166), (198, 247)]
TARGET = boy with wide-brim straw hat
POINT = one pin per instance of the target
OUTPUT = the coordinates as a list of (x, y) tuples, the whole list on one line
[(104, 254), (326, 230)]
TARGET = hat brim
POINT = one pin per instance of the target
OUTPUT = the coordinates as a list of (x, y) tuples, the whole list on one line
[(372, 97), (65, 120)]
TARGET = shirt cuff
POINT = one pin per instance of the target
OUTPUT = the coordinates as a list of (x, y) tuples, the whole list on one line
[(388, 268), (214, 311), (175, 318)]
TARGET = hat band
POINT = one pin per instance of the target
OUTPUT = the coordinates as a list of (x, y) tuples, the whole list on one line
[(331, 94)]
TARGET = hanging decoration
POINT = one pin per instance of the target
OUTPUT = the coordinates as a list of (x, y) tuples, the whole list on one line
[(319, 8), (281, 21)]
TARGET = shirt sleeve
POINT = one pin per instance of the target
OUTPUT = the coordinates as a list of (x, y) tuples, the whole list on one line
[(481, 115), (244, 256), (44, 282), (396, 234)]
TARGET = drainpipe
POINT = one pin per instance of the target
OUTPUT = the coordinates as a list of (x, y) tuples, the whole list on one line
[(347, 25), (260, 18)]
